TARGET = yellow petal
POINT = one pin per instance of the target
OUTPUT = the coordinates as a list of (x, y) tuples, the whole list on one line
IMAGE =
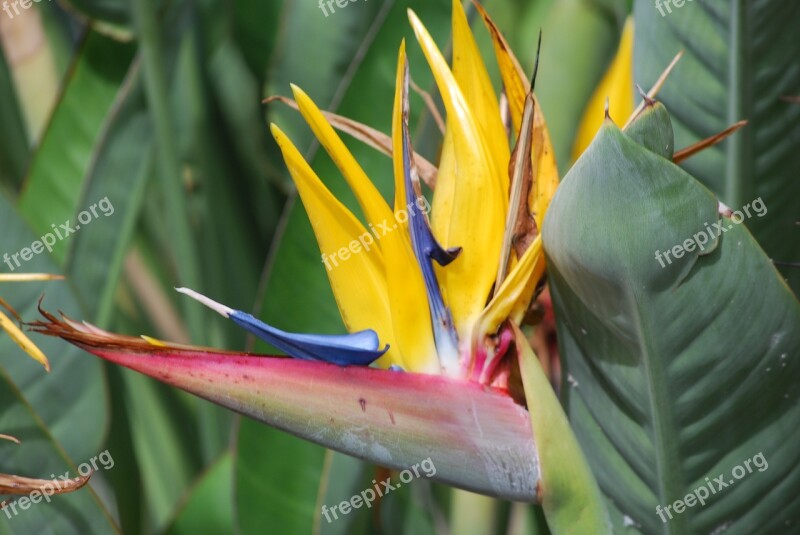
[(617, 86), (514, 80), (368, 136), (544, 165), (23, 341), (154, 341), (512, 299), (369, 198), (397, 132), (516, 85), (469, 206), (24, 277), (470, 73), (358, 279), (406, 289)]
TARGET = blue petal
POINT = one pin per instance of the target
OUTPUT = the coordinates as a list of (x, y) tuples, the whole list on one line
[(426, 248), (361, 348)]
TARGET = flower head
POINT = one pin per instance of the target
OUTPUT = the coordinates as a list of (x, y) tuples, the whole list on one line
[(436, 288), (428, 286)]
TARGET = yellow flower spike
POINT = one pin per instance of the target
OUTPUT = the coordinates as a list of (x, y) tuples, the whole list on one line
[(506, 301), (474, 215), (406, 287), (23, 341), (616, 86), (397, 133), (533, 137), (511, 300), (514, 79), (369, 198), (470, 73), (359, 280), (516, 86), (546, 169)]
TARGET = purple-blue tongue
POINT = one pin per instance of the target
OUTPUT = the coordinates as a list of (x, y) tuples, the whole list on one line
[(361, 348)]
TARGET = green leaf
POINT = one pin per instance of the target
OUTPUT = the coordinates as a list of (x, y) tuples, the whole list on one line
[(277, 480), (209, 508), (473, 514), (568, 491), (79, 418), (123, 161), (228, 212), (60, 416), (163, 436), (740, 60), (14, 150), (679, 373), (58, 169), (256, 30), (156, 51), (125, 479), (39, 455)]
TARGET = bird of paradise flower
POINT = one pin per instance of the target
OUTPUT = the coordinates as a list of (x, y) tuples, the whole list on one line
[(435, 305)]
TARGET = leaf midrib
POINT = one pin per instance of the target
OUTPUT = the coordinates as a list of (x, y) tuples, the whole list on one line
[(668, 466), (739, 188)]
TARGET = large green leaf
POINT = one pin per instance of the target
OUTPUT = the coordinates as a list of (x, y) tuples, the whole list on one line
[(678, 374), (740, 60), (40, 455), (208, 509), (58, 169), (60, 416), (123, 158), (276, 492), (71, 398)]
